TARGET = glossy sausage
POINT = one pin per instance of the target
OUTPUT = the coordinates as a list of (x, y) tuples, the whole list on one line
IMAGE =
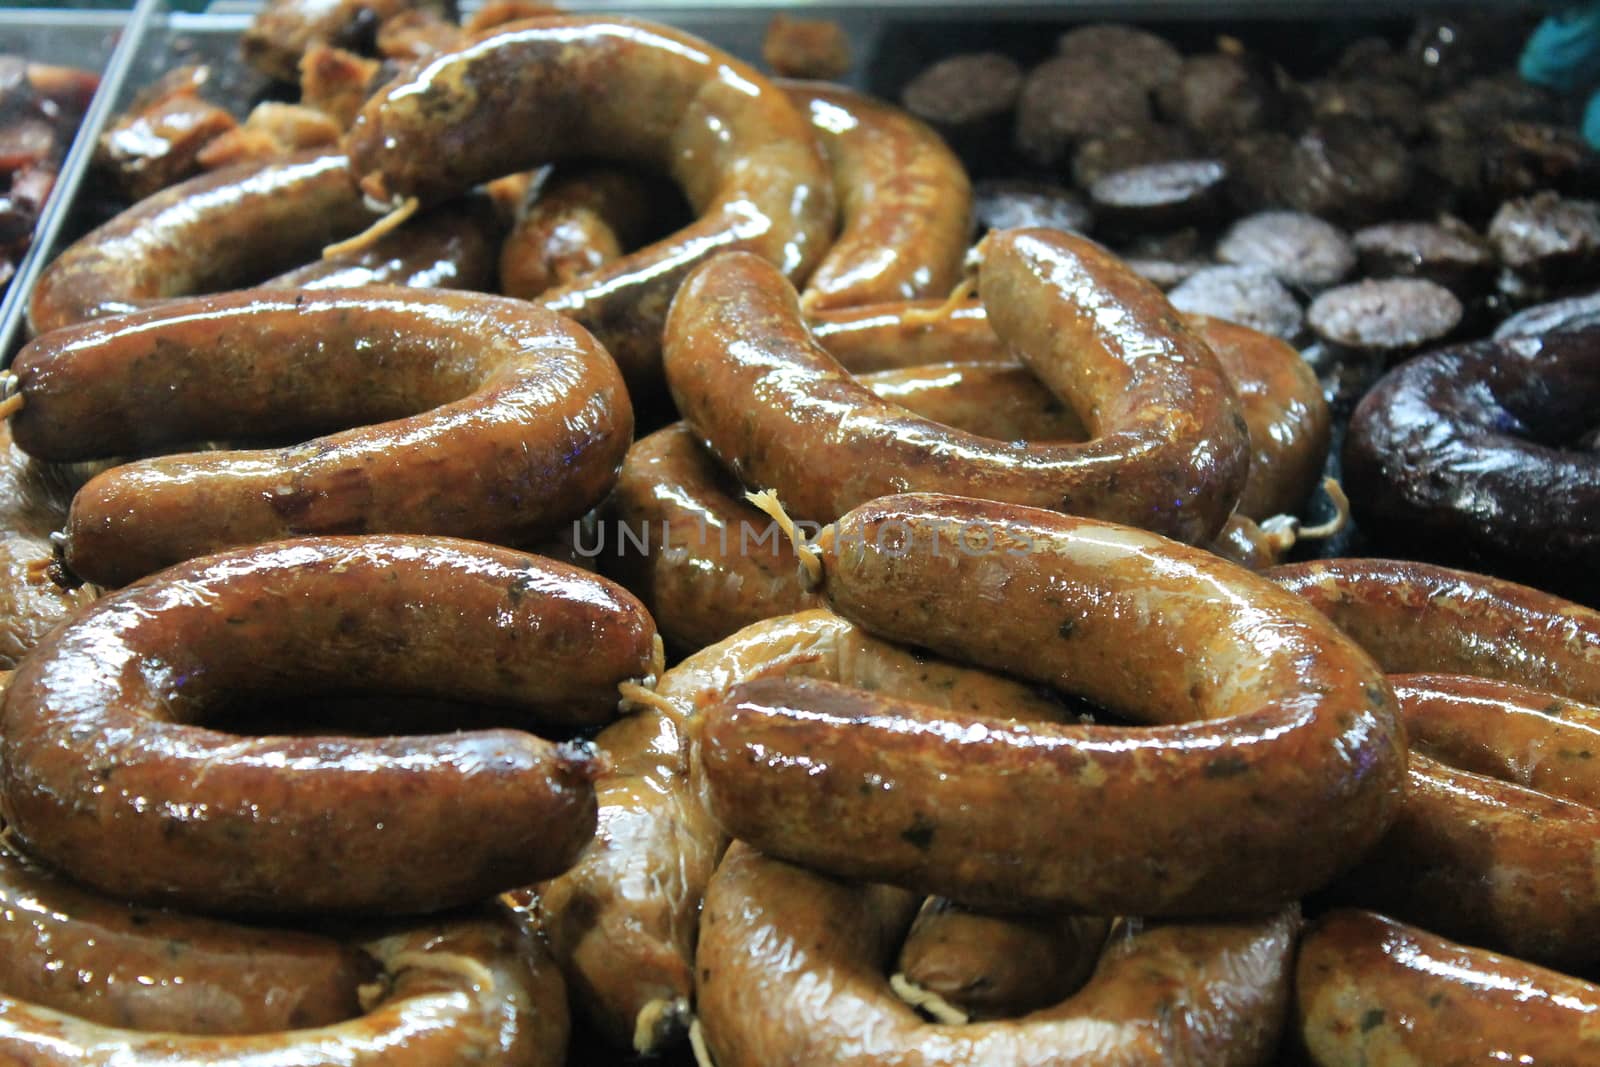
[(108, 772), (449, 247), (116, 964), (791, 969), (485, 418), (576, 222), (623, 920), (218, 231), (905, 202), (628, 92), (465, 991), (1278, 393), (1418, 617), (1255, 706), (1372, 992), (1169, 450), (994, 968)]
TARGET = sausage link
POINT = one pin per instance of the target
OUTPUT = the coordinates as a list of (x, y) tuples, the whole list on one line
[(905, 202), (217, 231), (1371, 991), (120, 965), (1418, 617), (1170, 451), (1518, 735), (1278, 393), (107, 772), (623, 920), (523, 421), (992, 967), (33, 599), (628, 92), (791, 971), (449, 247), (454, 993), (577, 222), (1257, 706)]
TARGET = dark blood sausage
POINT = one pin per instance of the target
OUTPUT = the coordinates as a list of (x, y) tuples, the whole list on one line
[(1370, 990), (1418, 617), (578, 87), (1474, 454), (479, 417), (462, 991), (1143, 56), (1159, 196), (791, 970), (969, 99), (623, 919), (576, 222), (1572, 313), (450, 247), (1392, 317), (1009, 204), (1121, 147), (1222, 95), (905, 204), (1296, 248), (216, 231), (1254, 705), (1548, 239), (1447, 254), (1247, 295), (1169, 448), (115, 964), (1070, 97), (108, 773), (991, 967)]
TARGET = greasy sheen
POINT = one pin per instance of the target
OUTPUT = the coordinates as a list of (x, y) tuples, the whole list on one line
[(116, 964), (791, 968), (623, 920), (1258, 707), (1418, 617), (1472, 455), (449, 247), (478, 417), (216, 231), (1168, 449), (905, 202), (460, 992), (1373, 992), (107, 772), (628, 92)]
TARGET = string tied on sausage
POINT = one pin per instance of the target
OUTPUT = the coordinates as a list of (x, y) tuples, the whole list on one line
[(11, 399), (1283, 532), (927, 1001), (809, 555), (659, 1018), (697, 1045), (639, 693), (964, 291), (396, 218)]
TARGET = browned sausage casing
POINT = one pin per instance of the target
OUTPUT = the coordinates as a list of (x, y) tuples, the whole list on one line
[(107, 773), (449, 247), (218, 231), (623, 920), (628, 92), (523, 421), (1257, 706), (1419, 617), (905, 202), (1373, 992), (457, 992), (117, 964), (791, 970), (1169, 450)]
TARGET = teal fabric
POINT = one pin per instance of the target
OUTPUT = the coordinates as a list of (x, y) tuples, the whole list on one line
[(1564, 54)]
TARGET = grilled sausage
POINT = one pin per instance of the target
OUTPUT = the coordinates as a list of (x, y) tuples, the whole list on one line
[(630, 92), (1256, 706), (523, 421), (107, 772), (790, 971), (1169, 450), (905, 202), (1372, 991)]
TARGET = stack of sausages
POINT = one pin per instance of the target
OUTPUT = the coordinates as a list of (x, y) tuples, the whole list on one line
[(342, 730)]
